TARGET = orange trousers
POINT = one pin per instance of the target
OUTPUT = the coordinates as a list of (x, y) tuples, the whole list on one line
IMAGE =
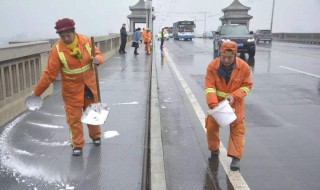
[(236, 137), (73, 114), (147, 47)]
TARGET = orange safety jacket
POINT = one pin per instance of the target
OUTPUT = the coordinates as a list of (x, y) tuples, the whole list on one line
[(147, 37), (143, 34), (75, 73), (240, 83)]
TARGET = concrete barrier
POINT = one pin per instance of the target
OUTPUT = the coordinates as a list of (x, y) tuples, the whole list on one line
[(305, 38), (21, 66)]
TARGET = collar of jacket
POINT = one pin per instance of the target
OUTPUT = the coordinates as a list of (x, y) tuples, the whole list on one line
[(217, 63), (64, 48)]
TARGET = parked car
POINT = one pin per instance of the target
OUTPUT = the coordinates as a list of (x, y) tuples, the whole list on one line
[(237, 33), (197, 35), (209, 35), (263, 35)]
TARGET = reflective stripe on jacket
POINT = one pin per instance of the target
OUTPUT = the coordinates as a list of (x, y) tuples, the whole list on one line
[(65, 67), (216, 88), (75, 73)]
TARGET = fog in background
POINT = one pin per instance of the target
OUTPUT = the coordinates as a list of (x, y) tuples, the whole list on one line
[(35, 19), (289, 15)]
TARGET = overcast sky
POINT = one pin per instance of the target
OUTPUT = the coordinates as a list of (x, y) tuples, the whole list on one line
[(35, 19)]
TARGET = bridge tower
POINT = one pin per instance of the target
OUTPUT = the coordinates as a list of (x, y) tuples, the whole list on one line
[(236, 13), (139, 14)]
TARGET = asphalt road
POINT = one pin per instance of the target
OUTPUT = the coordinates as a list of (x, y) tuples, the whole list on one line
[(282, 116), (281, 144)]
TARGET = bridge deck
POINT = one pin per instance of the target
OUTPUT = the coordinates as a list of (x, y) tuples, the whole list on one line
[(35, 147)]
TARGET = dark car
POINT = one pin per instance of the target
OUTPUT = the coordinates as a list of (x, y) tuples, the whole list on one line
[(237, 33), (263, 35)]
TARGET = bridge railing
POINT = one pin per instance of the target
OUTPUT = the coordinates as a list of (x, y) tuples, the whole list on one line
[(21, 65), (308, 38)]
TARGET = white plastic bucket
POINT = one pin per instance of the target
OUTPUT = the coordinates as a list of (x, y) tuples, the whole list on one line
[(223, 113)]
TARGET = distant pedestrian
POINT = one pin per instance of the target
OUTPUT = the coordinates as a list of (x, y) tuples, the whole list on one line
[(147, 41), (123, 34), (71, 56), (228, 77), (162, 37), (143, 34), (136, 40)]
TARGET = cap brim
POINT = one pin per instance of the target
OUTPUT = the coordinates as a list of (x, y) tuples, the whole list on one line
[(65, 28)]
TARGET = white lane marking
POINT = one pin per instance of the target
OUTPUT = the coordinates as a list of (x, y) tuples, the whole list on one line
[(235, 177), (125, 103), (310, 74), (110, 134), (46, 125)]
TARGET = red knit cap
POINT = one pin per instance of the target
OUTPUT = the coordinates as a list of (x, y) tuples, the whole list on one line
[(64, 24), (229, 45)]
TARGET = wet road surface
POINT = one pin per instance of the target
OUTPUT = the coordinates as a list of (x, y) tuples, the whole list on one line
[(35, 150), (281, 143)]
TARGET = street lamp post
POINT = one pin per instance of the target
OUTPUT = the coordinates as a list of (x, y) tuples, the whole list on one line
[(205, 20), (272, 16), (148, 6)]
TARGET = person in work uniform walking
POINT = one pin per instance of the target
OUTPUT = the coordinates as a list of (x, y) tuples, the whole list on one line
[(123, 34), (143, 34), (71, 55), (228, 77), (147, 40)]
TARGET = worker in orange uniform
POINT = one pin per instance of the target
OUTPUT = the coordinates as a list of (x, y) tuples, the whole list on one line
[(143, 34), (228, 77), (71, 56), (147, 40)]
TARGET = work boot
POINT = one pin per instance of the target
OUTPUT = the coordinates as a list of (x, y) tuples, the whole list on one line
[(77, 151), (235, 164), (97, 142), (215, 153)]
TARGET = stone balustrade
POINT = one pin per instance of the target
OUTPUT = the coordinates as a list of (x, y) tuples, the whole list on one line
[(21, 65), (309, 38)]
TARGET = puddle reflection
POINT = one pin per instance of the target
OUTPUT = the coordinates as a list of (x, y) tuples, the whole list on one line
[(163, 58), (249, 60), (265, 45), (216, 179)]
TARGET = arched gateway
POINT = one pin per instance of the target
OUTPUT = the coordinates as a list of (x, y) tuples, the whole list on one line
[(139, 14)]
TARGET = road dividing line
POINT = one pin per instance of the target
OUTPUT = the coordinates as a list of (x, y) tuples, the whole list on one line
[(310, 74), (235, 177)]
